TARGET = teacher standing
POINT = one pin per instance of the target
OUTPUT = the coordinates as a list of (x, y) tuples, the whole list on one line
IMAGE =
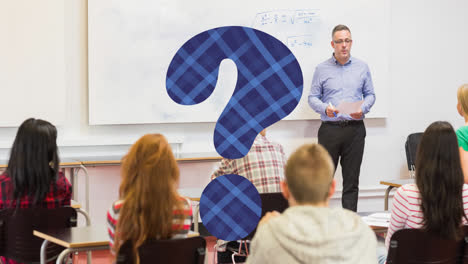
[(343, 78)]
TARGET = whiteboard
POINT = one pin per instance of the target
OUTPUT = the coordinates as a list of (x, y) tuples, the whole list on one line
[(131, 44), (32, 64)]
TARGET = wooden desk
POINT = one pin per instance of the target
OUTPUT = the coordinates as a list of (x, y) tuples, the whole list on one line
[(74, 239), (78, 239), (192, 234), (392, 184)]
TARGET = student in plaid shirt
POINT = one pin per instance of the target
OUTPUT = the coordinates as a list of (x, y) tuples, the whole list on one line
[(31, 179), (263, 165)]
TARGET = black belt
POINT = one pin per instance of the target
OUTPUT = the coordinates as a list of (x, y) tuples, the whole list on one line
[(343, 122)]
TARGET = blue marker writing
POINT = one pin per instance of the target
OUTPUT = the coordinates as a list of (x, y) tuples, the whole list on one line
[(329, 103)]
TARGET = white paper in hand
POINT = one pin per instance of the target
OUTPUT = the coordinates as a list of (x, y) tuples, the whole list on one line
[(349, 107)]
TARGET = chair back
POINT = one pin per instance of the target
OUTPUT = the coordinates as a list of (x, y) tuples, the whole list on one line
[(411, 148), (270, 202), (273, 202), (17, 241), (418, 247), (180, 251), (465, 250)]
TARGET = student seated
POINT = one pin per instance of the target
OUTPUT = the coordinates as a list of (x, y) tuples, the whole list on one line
[(462, 132), (32, 178), (149, 205), (438, 201), (263, 165), (309, 231)]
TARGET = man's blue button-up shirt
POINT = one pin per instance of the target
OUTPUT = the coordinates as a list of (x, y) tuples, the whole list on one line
[(334, 83)]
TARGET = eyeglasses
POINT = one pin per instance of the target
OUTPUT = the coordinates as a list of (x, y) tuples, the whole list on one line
[(347, 41)]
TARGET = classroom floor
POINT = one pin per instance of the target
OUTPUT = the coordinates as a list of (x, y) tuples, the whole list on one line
[(105, 257)]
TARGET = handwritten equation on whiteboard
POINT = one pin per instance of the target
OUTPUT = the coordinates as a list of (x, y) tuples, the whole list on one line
[(291, 17), (295, 28), (299, 41)]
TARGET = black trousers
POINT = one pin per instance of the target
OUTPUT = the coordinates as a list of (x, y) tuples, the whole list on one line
[(344, 140)]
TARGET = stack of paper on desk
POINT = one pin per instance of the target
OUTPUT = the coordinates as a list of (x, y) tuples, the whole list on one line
[(377, 219)]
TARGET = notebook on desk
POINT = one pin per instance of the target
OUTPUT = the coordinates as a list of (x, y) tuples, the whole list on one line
[(381, 219)]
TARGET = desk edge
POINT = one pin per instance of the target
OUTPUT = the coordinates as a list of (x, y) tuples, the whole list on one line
[(51, 239)]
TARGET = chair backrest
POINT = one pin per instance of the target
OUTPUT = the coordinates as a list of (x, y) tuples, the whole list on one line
[(273, 202), (17, 241), (465, 251), (411, 147), (270, 202), (180, 251), (418, 247)]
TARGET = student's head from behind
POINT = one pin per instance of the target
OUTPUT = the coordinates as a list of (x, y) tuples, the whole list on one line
[(309, 176), (462, 98), (150, 176), (34, 161), (439, 178), (149, 166)]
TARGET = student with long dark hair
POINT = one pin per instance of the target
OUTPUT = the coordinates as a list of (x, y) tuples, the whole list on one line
[(32, 178), (149, 205), (438, 201)]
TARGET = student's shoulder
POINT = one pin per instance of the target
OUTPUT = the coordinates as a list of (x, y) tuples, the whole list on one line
[(186, 205), (277, 145), (344, 214), (115, 207), (263, 235), (262, 142), (356, 222), (465, 190), (4, 177), (62, 180), (185, 200), (462, 131), (408, 188), (113, 214)]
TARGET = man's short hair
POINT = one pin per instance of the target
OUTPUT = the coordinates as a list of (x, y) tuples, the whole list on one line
[(309, 173), (339, 28)]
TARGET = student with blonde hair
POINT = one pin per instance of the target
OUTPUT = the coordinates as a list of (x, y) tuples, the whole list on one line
[(462, 132), (309, 231), (149, 205)]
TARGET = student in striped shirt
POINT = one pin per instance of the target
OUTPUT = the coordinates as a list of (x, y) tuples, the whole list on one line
[(438, 201), (149, 205)]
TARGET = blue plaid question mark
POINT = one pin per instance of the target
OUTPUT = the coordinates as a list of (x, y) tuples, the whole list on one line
[(268, 88)]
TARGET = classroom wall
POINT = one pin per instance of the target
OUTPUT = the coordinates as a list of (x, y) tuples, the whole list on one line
[(427, 64), (32, 56)]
